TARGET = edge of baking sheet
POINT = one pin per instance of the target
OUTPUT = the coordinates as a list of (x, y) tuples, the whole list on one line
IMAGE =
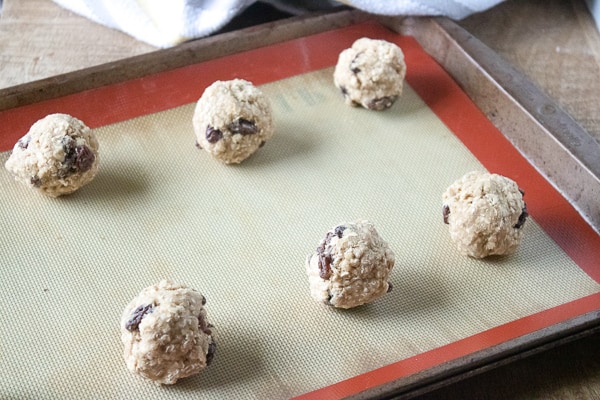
[(435, 39), (528, 117), (481, 361), (192, 52)]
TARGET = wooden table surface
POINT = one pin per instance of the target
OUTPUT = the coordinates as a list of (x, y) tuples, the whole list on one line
[(554, 42)]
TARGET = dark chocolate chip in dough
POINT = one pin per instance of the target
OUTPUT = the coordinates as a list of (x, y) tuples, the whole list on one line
[(339, 231), (381, 103), (522, 218), (68, 144), (137, 316), (24, 142), (524, 213), (210, 354), (446, 213), (203, 325), (354, 68), (77, 158), (213, 135), (324, 254), (35, 181), (243, 127), (84, 158), (329, 297)]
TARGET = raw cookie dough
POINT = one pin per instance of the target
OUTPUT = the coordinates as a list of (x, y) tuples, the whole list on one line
[(232, 120), (370, 73), (57, 156), (486, 214), (166, 334), (351, 266)]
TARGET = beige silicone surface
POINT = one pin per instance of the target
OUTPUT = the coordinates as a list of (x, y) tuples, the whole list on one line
[(161, 208)]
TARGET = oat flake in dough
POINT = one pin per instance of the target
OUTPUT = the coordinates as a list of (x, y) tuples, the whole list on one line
[(485, 213), (166, 333), (351, 266), (232, 119), (57, 156), (370, 73)]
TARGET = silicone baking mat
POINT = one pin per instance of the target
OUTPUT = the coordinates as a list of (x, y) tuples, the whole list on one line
[(161, 208)]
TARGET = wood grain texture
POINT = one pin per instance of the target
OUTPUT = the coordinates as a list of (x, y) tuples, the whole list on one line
[(39, 39), (555, 43), (557, 46), (529, 118)]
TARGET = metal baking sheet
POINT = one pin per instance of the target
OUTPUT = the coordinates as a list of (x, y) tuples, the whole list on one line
[(160, 208)]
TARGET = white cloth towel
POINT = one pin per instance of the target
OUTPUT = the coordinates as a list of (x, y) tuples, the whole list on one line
[(455, 9), (165, 23)]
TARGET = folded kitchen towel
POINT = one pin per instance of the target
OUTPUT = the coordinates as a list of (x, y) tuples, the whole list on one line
[(455, 9), (165, 23)]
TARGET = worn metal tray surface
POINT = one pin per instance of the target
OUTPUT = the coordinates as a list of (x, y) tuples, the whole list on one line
[(162, 209)]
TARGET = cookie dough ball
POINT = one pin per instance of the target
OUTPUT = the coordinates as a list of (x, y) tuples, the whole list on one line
[(351, 266), (370, 73), (486, 214), (232, 120), (57, 156), (166, 333)]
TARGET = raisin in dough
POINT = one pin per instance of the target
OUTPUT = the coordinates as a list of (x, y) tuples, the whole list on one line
[(370, 73), (57, 156), (485, 213), (232, 120), (166, 334), (351, 266)]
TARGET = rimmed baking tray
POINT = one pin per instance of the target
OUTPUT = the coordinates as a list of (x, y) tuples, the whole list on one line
[(160, 208)]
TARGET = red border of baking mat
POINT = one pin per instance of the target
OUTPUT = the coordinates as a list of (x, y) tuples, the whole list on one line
[(184, 85)]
